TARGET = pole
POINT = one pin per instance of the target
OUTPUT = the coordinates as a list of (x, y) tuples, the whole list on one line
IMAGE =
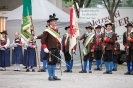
[(36, 48), (80, 55)]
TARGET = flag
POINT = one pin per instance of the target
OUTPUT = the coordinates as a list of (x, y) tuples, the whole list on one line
[(26, 25), (74, 30)]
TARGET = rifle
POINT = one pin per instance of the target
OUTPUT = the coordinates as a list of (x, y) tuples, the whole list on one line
[(105, 44), (127, 49)]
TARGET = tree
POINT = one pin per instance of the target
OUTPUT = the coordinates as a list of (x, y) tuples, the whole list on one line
[(81, 2), (111, 8)]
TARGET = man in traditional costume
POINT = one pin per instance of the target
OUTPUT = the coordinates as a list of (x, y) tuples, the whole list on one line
[(108, 40), (65, 47), (51, 42), (88, 48), (98, 48), (128, 44)]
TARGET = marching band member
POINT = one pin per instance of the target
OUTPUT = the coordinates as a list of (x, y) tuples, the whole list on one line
[(108, 40), (65, 45), (128, 44), (4, 52), (50, 43), (31, 56), (98, 47), (88, 48), (17, 54)]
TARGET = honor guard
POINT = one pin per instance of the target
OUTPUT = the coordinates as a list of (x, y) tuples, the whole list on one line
[(88, 48), (31, 56), (50, 43), (116, 55), (128, 44), (108, 40), (17, 54), (65, 47), (98, 48), (4, 52)]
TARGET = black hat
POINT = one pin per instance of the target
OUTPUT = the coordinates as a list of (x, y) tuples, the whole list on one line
[(4, 32), (108, 24), (89, 27), (99, 26), (67, 27), (129, 24), (52, 17)]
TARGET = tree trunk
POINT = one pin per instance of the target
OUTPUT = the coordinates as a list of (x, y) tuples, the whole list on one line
[(88, 3), (81, 3), (112, 21)]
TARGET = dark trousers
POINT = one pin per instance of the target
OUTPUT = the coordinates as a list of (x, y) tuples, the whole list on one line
[(88, 57), (52, 60), (108, 56), (67, 56), (98, 54), (130, 56)]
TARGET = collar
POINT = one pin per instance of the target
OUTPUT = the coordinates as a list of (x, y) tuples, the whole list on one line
[(54, 28), (98, 33), (109, 31)]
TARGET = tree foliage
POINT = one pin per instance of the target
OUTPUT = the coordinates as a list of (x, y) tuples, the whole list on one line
[(111, 6)]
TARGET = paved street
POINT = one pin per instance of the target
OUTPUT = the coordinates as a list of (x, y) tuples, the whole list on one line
[(11, 79)]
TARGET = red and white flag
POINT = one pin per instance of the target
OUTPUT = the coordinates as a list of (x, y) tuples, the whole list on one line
[(74, 30)]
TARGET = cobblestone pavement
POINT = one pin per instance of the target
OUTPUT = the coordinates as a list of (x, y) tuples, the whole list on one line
[(11, 79)]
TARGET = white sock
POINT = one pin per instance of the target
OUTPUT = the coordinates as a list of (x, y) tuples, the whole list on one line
[(3, 68), (18, 66)]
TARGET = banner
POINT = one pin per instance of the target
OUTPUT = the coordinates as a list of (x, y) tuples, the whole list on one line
[(26, 25), (74, 29)]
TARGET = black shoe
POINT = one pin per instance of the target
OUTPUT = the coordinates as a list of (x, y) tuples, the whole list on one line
[(100, 69), (43, 70), (70, 70), (66, 71), (131, 73), (27, 70), (127, 73), (97, 69), (106, 72), (90, 71), (31, 67), (15, 70), (33, 70), (55, 78), (110, 72), (82, 71), (51, 79), (114, 69)]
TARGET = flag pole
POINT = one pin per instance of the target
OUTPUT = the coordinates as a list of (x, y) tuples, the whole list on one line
[(36, 48)]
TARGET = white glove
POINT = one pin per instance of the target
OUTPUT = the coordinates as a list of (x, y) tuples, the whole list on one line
[(46, 50), (74, 52), (35, 37), (61, 52)]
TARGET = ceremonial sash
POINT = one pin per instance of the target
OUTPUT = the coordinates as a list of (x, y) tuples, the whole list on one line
[(54, 34), (88, 40)]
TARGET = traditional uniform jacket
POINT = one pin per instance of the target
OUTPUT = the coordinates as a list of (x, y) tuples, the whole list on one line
[(97, 46), (130, 44), (116, 52), (4, 53), (52, 43), (109, 43), (110, 40), (17, 54), (31, 54), (88, 47), (65, 46)]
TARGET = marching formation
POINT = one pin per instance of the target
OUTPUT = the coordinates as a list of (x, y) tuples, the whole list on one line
[(101, 46)]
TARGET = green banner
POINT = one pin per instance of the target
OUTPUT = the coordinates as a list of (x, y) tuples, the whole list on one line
[(26, 25)]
